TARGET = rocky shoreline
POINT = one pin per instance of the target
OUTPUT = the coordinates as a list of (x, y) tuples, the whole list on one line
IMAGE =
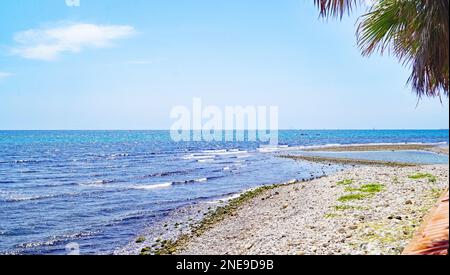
[(365, 210), (372, 208)]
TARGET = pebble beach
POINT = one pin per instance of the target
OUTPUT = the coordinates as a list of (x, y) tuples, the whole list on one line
[(365, 210)]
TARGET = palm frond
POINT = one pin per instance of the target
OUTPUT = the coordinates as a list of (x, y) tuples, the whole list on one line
[(430, 68), (416, 31), (335, 8)]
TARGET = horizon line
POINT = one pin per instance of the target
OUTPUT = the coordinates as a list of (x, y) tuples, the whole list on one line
[(286, 129)]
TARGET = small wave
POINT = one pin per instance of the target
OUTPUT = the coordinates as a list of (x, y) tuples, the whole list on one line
[(205, 160), (120, 155), (190, 181), (11, 197), (26, 161), (232, 162), (214, 151), (232, 153), (103, 181), (20, 198), (236, 151), (289, 182), (169, 173), (224, 151), (197, 157), (153, 186), (97, 183), (55, 240), (226, 162), (29, 172), (169, 184), (243, 156), (271, 149), (211, 154), (172, 173), (49, 185), (232, 197), (225, 199)]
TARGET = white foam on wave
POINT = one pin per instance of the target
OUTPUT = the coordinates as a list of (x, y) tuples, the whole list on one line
[(237, 152), (226, 199), (18, 198), (205, 160), (214, 151), (190, 181), (166, 184), (97, 183), (237, 195), (11, 197), (289, 182), (232, 197), (198, 157), (270, 149), (57, 239), (153, 186), (222, 152)]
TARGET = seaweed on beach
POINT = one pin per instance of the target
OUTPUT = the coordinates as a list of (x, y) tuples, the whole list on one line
[(431, 178)]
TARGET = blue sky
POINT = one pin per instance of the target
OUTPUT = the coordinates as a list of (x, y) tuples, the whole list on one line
[(111, 64)]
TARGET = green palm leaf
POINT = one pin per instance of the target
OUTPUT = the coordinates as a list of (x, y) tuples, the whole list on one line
[(415, 31)]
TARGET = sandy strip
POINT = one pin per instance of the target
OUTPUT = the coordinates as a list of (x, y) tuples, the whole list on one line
[(319, 217), (383, 147), (331, 160)]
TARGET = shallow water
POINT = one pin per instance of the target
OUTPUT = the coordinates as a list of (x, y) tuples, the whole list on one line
[(100, 188)]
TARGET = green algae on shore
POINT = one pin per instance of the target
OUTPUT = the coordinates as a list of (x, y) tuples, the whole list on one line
[(431, 178), (169, 247), (350, 161), (352, 197), (367, 188), (345, 182)]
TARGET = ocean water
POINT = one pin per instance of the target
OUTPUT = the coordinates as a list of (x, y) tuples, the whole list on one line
[(100, 188)]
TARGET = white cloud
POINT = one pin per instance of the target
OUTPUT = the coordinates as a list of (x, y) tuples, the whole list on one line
[(50, 43), (4, 75)]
